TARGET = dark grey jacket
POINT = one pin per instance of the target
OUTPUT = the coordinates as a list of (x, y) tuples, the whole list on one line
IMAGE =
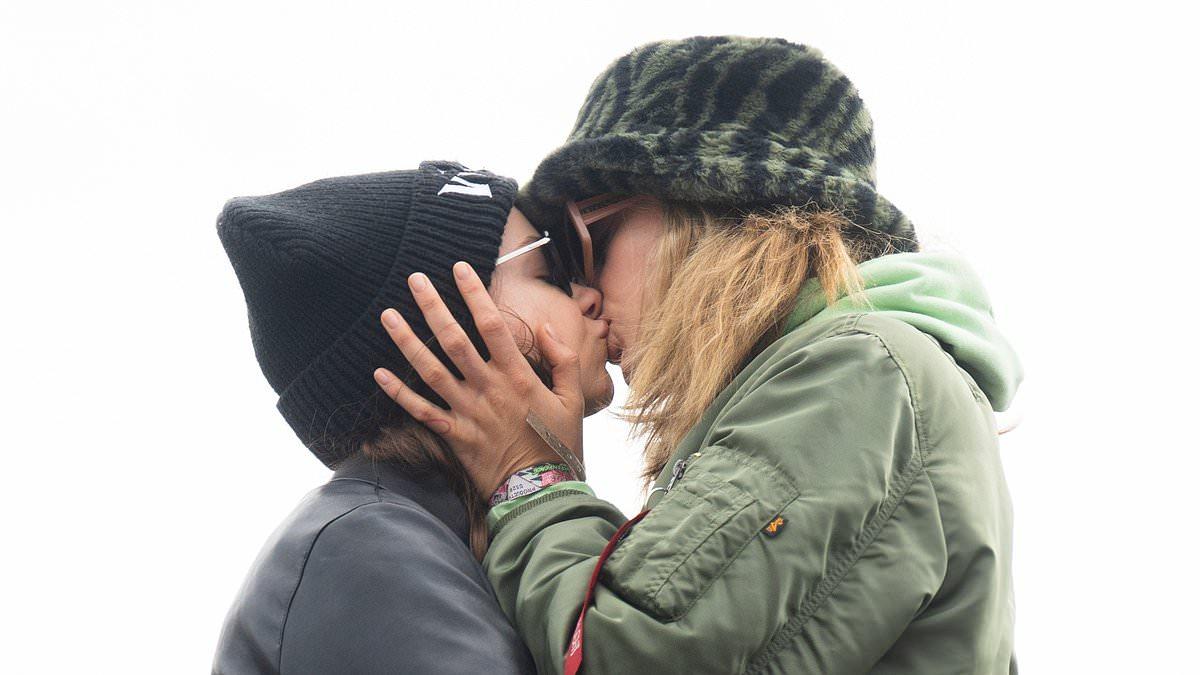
[(370, 574)]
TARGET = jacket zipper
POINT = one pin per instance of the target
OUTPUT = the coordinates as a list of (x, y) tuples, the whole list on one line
[(680, 466)]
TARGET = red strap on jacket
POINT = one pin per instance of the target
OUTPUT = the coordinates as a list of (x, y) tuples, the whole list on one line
[(573, 660)]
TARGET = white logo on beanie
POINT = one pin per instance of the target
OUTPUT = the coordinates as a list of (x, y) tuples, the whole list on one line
[(461, 186)]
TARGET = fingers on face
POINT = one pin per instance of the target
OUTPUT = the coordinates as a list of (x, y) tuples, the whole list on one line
[(488, 320), (450, 335), (564, 367), (416, 405), (423, 360), (454, 341)]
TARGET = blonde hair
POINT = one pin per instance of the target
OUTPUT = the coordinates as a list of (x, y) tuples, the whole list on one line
[(720, 289)]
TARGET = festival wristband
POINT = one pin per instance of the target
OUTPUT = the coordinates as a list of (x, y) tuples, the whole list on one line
[(564, 453), (530, 480)]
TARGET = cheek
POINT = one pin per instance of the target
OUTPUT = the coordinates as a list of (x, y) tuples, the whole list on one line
[(538, 303), (622, 296), (513, 298), (624, 272), (568, 322)]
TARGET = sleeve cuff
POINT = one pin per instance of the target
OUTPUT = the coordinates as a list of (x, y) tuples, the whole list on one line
[(499, 511)]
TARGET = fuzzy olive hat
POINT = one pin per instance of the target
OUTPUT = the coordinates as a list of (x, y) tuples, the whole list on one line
[(725, 122)]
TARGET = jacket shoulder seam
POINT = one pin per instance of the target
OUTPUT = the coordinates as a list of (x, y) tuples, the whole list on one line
[(304, 567)]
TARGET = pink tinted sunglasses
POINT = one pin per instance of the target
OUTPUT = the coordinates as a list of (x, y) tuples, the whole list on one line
[(586, 212)]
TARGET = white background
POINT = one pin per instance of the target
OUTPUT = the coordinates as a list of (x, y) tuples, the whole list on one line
[(1052, 144)]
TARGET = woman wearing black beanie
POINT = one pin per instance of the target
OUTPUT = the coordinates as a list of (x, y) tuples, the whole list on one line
[(377, 570)]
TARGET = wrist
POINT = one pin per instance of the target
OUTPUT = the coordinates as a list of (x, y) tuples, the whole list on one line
[(501, 472), (531, 479)]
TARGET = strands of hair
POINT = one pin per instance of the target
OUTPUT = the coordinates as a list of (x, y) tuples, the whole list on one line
[(720, 290)]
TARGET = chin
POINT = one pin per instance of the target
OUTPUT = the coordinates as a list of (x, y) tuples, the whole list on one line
[(600, 394)]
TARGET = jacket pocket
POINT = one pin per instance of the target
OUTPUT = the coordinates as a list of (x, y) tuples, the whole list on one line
[(695, 531)]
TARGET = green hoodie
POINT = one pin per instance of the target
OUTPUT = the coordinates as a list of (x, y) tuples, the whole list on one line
[(938, 294), (839, 508)]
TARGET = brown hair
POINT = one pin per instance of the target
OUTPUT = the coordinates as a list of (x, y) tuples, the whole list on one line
[(720, 288), (419, 450)]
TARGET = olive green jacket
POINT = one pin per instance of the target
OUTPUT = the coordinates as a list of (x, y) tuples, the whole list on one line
[(840, 508)]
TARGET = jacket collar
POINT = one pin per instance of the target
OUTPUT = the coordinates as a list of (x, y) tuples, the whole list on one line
[(939, 294), (428, 489)]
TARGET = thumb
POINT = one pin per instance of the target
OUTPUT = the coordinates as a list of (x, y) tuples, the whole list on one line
[(564, 366)]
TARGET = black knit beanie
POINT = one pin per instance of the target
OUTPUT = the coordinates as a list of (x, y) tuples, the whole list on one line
[(319, 263), (721, 121)]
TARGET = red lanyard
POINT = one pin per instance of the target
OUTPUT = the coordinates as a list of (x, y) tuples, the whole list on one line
[(573, 660)]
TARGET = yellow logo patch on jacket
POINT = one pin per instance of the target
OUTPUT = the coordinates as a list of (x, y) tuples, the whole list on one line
[(774, 526)]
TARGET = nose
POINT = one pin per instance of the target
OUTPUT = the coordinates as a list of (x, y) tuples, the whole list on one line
[(591, 301)]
